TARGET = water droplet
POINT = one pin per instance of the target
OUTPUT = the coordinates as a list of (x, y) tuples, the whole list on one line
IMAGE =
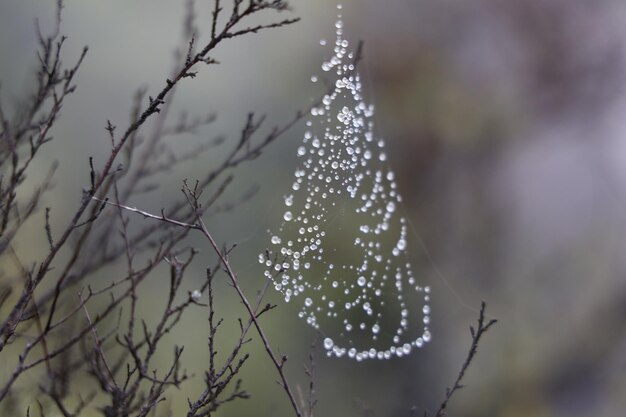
[(288, 216), (426, 336), (328, 343)]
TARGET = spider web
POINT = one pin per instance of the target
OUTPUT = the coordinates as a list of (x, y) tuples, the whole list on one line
[(341, 250)]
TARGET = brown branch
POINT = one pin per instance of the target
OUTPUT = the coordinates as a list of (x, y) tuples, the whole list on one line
[(476, 333), (278, 363)]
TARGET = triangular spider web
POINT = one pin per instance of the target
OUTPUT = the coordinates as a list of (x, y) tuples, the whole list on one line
[(341, 251)]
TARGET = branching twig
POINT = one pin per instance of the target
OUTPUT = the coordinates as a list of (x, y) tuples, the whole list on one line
[(476, 333)]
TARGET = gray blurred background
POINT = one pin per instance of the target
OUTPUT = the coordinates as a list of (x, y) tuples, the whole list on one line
[(506, 124)]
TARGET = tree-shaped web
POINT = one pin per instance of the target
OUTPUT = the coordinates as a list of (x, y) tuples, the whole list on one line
[(342, 247)]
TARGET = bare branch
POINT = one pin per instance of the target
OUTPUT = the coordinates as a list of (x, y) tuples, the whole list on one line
[(476, 334)]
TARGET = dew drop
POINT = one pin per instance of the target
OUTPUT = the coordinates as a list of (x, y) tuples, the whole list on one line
[(328, 343), (426, 336)]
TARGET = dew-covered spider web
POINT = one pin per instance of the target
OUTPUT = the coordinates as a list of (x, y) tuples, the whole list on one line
[(341, 250)]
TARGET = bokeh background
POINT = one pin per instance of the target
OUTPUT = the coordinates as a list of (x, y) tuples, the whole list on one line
[(506, 124)]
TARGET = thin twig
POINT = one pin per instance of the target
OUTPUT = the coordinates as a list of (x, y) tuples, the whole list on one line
[(476, 333)]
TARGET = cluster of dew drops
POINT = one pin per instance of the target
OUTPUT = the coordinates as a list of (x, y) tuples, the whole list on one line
[(345, 161)]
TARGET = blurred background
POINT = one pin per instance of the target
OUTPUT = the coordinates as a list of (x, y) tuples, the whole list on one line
[(505, 123)]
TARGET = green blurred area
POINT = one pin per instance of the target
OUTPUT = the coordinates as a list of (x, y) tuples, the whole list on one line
[(504, 123)]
